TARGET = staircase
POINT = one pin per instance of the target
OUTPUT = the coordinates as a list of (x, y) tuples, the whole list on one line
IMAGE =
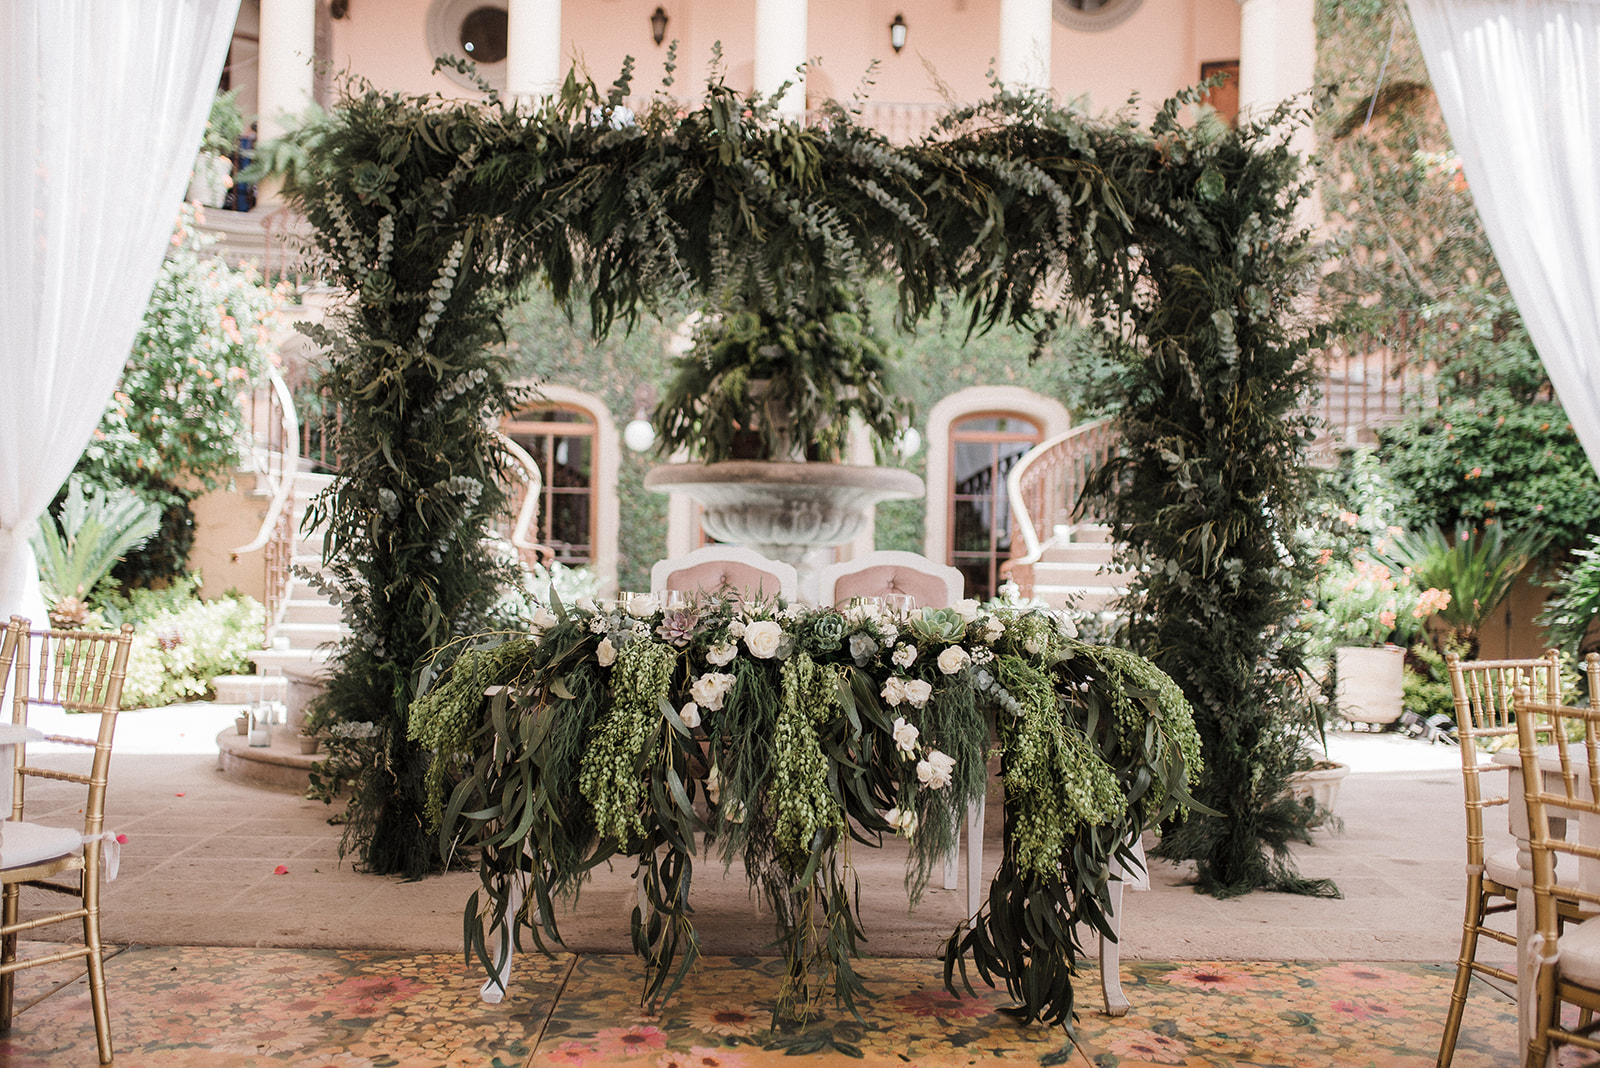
[(1069, 564), (1074, 570)]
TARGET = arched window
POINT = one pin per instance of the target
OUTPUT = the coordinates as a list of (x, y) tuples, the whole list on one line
[(561, 441), (983, 449)]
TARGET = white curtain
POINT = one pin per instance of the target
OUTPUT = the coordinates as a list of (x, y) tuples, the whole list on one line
[(1519, 84), (102, 104)]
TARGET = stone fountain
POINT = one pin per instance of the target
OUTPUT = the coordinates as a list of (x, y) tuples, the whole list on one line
[(786, 510)]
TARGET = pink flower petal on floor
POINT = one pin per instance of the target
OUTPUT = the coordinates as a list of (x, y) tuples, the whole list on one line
[(122, 839), (281, 869)]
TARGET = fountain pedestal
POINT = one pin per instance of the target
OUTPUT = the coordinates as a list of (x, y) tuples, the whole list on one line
[(786, 510)]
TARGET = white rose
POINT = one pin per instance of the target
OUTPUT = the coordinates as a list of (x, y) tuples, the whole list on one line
[(904, 822), (585, 604), (714, 785), (918, 692), (641, 607), (1032, 646), (736, 629), (721, 653), (1066, 626), (967, 609), (709, 689), (894, 690), (544, 619), (690, 714), (762, 638), (953, 659), (905, 736), (605, 652), (905, 655), (993, 630), (934, 772), (858, 614)]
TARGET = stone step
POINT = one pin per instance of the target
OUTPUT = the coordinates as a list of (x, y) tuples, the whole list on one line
[(281, 764), (243, 689), (311, 609), (1077, 552), (309, 635), (1059, 573)]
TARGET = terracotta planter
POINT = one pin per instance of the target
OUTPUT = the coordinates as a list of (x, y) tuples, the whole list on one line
[(1370, 683), (309, 743)]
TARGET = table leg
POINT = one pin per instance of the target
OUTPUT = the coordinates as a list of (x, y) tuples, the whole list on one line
[(501, 940), (1111, 955)]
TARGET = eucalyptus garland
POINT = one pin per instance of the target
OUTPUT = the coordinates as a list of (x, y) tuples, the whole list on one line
[(802, 729)]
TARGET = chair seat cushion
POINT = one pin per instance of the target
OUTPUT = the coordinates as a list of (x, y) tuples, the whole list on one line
[(1502, 867), (1580, 952), (25, 844)]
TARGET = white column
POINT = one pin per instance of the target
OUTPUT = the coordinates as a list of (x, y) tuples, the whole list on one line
[(780, 48), (1277, 52), (533, 48), (1277, 60), (288, 44), (1025, 29)]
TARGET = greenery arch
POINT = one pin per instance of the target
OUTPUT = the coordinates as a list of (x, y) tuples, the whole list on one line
[(1179, 240)]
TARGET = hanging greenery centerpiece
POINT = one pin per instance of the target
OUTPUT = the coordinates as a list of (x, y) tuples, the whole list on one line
[(780, 383)]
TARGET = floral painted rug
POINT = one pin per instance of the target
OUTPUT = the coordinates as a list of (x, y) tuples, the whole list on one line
[(241, 1008)]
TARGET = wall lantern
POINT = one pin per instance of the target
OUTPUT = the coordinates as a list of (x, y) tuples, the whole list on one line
[(897, 33), (658, 24)]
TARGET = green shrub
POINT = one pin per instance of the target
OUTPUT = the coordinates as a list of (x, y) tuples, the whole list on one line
[(176, 423), (1569, 612), (181, 643), (77, 548)]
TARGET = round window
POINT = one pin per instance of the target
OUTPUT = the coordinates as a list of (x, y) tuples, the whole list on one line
[(483, 35), (470, 29), (1094, 14)]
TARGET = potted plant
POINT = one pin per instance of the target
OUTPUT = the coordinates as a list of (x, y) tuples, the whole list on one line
[(1367, 616), (213, 167), (765, 401), (780, 384)]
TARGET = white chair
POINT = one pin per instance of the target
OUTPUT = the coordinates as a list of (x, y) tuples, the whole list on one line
[(890, 571), (726, 569), (930, 585)]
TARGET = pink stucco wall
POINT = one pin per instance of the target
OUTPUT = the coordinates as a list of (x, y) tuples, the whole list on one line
[(1156, 52)]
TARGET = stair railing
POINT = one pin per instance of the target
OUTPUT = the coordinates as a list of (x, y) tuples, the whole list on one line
[(523, 530), (1044, 489), (277, 452)]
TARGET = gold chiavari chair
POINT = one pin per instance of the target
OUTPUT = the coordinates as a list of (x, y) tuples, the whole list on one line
[(78, 672), (1561, 781), (1484, 694)]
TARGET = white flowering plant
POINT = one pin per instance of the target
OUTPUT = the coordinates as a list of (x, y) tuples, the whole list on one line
[(798, 728)]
